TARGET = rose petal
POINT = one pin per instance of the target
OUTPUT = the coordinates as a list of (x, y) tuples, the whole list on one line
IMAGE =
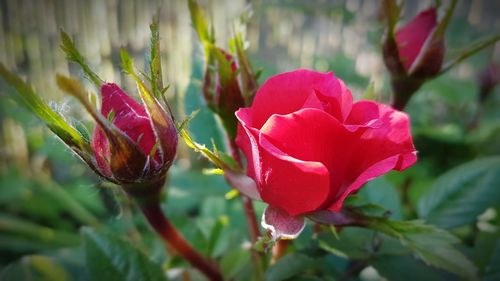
[(101, 151), (411, 37), (294, 185), (364, 113), (379, 150), (368, 174), (243, 184), (295, 87), (246, 139), (129, 116), (280, 224)]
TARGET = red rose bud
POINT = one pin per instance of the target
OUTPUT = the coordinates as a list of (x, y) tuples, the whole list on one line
[(420, 52), (416, 51), (148, 160), (221, 88), (487, 80)]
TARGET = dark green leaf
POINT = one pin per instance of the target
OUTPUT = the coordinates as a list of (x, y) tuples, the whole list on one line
[(399, 268), (234, 262), (432, 245), (460, 195), (110, 258), (288, 266), (383, 193)]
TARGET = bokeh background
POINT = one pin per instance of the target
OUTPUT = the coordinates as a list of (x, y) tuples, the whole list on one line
[(46, 194)]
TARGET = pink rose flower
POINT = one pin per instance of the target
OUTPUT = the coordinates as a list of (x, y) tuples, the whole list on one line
[(308, 146)]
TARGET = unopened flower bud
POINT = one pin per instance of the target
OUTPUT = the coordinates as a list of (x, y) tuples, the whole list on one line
[(487, 80), (415, 50), (142, 158), (221, 88)]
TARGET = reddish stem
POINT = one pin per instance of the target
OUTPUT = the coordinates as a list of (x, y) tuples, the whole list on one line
[(252, 223), (174, 240), (403, 89), (253, 226), (279, 249)]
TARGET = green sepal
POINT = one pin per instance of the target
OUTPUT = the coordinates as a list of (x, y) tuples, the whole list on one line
[(248, 83), (127, 159), (392, 11), (443, 24), (56, 123), (72, 54), (200, 23), (155, 59), (161, 120)]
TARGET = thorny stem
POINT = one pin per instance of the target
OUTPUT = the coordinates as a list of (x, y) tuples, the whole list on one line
[(174, 239)]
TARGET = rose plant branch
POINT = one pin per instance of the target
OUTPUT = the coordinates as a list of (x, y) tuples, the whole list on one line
[(228, 84), (150, 207)]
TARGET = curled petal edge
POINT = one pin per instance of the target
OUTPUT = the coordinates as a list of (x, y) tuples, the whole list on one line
[(243, 184), (281, 225)]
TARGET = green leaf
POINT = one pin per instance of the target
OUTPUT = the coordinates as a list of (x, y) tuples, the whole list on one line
[(42, 110), (72, 54), (25, 229), (487, 254), (360, 243), (470, 50), (110, 258), (432, 245), (492, 270), (35, 268), (199, 22), (380, 192), (457, 197), (288, 266), (404, 268), (234, 262)]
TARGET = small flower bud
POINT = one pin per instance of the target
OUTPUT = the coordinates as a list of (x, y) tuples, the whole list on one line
[(415, 50), (143, 160), (221, 89), (487, 80)]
